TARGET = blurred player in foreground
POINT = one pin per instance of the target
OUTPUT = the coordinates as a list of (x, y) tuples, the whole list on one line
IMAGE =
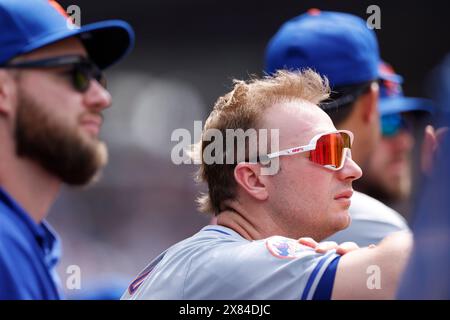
[(252, 252), (52, 93), (427, 275)]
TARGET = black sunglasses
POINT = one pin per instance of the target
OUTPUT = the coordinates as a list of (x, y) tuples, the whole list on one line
[(81, 69)]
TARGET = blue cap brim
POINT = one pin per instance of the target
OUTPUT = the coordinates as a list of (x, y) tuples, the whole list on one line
[(388, 106), (106, 42)]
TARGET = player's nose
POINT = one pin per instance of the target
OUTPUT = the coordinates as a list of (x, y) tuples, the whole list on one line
[(404, 140), (97, 97), (350, 171)]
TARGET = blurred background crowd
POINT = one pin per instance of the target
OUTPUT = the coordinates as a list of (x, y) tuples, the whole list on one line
[(186, 54)]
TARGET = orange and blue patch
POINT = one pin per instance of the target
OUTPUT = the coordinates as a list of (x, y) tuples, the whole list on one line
[(284, 248)]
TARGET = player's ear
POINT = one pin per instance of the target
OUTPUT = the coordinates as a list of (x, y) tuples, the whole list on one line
[(248, 176), (369, 104), (6, 93)]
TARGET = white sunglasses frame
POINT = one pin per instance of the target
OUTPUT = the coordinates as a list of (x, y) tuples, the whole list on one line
[(312, 146)]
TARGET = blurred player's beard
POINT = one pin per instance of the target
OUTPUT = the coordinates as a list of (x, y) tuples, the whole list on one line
[(63, 151), (384, 188)]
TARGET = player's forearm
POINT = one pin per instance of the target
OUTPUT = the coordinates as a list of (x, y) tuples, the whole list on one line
[(393, 254), (373, 273)]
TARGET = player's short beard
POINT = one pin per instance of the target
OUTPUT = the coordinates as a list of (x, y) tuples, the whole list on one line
[(389, 195), (61, 150)]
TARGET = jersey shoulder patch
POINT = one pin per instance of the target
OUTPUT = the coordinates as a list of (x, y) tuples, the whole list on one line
[(285, 248)]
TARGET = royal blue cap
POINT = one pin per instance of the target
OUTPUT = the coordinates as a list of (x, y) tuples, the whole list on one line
[(337, 45), (392, 99), (27, 25)]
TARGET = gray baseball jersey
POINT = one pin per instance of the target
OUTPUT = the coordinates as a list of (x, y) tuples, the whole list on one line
[(218, 263), (371, 221)]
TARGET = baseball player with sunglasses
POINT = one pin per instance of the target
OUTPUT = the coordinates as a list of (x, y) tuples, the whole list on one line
[(52, 94), (255, 251)]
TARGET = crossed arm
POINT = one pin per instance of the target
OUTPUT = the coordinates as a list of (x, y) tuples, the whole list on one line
[(387, 261)]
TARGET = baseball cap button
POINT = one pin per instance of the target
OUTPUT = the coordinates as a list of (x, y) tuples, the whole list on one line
[(314, 12)]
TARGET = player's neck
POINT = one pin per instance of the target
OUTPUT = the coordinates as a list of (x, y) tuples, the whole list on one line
[(250, 224), (32, 187), (234, 221)]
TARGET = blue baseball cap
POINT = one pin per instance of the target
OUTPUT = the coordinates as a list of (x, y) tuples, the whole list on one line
[(392, 99), (27, 25), (337, 45)]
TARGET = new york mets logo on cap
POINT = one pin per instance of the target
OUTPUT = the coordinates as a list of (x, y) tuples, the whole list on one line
[(284, 248), (390, 87)]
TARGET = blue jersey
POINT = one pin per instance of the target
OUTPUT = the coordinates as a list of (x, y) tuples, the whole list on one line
[(427, 275), (29, 253), (217, 263)]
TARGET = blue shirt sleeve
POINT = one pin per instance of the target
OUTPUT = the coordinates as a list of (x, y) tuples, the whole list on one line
[(23, 275), (12, 269), (326, 283)]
